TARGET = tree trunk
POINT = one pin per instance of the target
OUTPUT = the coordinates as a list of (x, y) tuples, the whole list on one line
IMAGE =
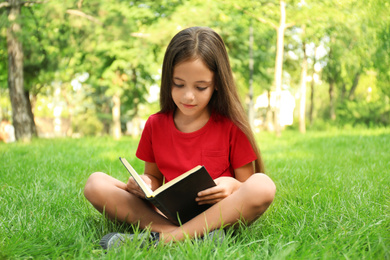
[(70, 106), (302, 103), (251, 115), (312, 88), (331, 100), (343, 91), (20, 114), (269, 120), (354, 86), (279, 66), (280, 29), (116, 116), (311, 101), (135, 127), (30, 113), (136, 121)]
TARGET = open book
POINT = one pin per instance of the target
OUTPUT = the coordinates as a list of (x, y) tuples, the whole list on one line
[(176, 199)]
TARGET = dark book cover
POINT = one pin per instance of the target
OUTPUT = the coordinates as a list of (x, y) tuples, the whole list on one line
[(178, 201)]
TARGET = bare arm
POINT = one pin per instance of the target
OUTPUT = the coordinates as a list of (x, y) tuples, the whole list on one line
[(152, 171), (225, 185)]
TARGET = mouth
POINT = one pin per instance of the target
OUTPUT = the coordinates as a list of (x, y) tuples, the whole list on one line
[(188, 106)]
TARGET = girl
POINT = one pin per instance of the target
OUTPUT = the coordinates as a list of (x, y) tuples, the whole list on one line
[(201, 122)]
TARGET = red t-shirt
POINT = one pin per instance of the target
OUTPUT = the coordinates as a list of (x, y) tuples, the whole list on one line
[(219, 145)]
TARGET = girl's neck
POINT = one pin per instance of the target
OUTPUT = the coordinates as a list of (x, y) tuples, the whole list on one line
[(189, 124)]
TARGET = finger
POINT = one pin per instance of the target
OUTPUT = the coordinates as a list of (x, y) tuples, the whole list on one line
[(208, 197), (130, 182), (212, 197), (210, 191), (131, 187), (134, 189), (137, 193), (221, 193)]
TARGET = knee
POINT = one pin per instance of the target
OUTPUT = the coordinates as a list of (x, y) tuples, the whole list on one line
[(91, 188), (261, 190)]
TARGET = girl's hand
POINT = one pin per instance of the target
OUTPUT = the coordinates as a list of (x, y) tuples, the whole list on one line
[(225, 187), (133, 187)]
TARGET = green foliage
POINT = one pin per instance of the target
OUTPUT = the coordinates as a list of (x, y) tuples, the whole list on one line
[(363, 113), (321, 125), (331, 202), (120, 44), (382, 52), (87, 124), (3, 60), (382, 59)]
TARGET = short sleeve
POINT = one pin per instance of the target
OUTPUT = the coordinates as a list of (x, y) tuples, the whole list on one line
[(241, 150), (145, 148)]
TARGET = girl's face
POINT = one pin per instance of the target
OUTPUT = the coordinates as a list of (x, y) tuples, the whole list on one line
[(192, 88)]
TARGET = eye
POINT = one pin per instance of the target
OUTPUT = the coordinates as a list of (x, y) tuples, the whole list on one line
[(201, 88), (177, 85)]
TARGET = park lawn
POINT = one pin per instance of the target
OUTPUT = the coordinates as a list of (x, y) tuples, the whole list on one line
[(332, 201)]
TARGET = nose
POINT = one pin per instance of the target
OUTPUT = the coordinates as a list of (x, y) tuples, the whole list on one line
[(189, 95)]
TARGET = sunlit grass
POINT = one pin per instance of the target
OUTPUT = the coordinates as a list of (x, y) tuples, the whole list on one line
[(332, 200)]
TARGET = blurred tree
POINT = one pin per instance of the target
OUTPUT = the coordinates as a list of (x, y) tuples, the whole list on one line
[(234, 24), (366, 102), (306, 37), (277, 19), (379, 19), (5, 105), (21, 117), (349, 43), (115, 52), (45, 45), (382, 59), (302, 103), (45, 41)]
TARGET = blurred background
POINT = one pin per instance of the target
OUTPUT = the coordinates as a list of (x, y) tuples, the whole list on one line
[(93, 67)]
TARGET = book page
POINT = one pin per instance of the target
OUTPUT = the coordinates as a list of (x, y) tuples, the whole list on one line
[(145, 188)]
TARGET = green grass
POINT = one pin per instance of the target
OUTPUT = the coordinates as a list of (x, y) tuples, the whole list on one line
[(332, 200)]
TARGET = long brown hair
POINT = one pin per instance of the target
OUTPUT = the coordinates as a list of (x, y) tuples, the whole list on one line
[(205, 44)]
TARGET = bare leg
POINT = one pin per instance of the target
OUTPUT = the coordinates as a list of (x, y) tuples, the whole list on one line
[(110, 196), (246, 204)]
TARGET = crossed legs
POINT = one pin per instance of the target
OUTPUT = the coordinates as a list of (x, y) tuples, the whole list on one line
[(249, 202)]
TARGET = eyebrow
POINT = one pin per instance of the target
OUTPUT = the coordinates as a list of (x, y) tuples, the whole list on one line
[(199, 81)]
